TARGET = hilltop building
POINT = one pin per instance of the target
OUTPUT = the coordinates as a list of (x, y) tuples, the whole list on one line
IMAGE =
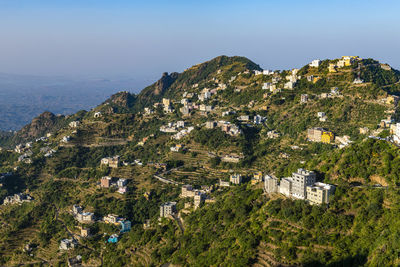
[(315, 63)]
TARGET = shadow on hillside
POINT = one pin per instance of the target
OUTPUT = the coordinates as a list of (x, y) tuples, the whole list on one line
[(358, 260)]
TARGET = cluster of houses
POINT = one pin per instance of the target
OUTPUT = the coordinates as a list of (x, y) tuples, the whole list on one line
[(302, 185), (173, 127), (17, 199), (74, 124), (177, 148), (112, 162), (81, 215), (318, 134), (345, 61), (235, 179), (182, 133), (225, 126), (25, 150), (67, 244), (199, 196), (107, 182), (116, 220)]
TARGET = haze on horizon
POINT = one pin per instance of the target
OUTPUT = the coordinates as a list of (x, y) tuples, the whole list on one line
[(140, 40)]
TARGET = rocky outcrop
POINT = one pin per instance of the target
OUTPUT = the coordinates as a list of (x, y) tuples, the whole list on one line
[(39, 126), (123, 99), (165, 82)]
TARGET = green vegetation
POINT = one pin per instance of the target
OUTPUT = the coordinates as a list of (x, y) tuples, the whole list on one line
[(236, 226)]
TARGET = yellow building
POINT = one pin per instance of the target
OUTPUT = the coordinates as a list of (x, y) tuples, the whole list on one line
[(257, 177), (327, 137), (316, 79), (332, 67)]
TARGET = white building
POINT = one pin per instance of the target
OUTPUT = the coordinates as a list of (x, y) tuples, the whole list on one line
[(301, 179), (315, 63), (168, 208), (236, 178), (396, 135), (285, 186), (270, 184)]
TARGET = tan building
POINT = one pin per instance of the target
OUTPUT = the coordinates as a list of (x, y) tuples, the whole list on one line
[(111, 218), (85, 232), (105, 182), (320, 193), (211, 124), (318, 134), (166, 102), (187, 191), (112, 162)]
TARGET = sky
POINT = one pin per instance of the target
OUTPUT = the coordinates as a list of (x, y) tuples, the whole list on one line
[(142, 39)]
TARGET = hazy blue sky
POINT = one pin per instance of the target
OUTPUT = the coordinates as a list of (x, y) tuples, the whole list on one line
[(141, 39)]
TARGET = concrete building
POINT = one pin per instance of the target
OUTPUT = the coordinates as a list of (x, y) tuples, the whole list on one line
[(85, 232), (168, 208), (304, 98), (166, 102), (74, 124), (67, 244), (125, 225), (257, 177), (224, 183), (301, 179), (198, 199), (112, 162), (122, 182), (285, 186), (111, 218), (187, 191), (270, 184), (236, 178), (76, 209), (315, 63), (318, 134), (122, 190), (85, 217), (320, 193), (211, 124), (106, 181), (396, 133), (180, 124)]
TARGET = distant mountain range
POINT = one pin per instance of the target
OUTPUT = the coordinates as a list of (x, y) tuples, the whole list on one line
[(23, 97)]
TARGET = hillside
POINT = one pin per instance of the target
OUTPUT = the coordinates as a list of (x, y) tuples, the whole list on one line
[(202, 127)]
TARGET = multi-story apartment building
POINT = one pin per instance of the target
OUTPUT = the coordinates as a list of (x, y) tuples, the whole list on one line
[(300, 180), (168, 208), (320, 193)]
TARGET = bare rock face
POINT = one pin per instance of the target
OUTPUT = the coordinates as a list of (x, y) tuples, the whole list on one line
[(123, 99), (162, 84), (38, 126)]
